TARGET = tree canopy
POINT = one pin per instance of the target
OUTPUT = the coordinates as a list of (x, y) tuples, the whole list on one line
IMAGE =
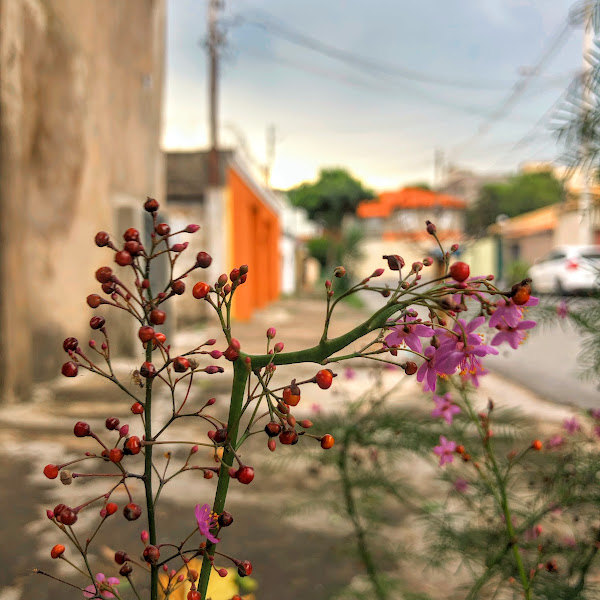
[(520, 194), (335, 193)]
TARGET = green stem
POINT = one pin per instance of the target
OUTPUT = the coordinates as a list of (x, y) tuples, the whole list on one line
[(361, 539), (240, 377), (148, 477)]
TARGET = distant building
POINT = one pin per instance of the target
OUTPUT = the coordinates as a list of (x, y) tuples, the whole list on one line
[(466, 185), (80, 123), (401, 215), (241, 223), (394, 223)]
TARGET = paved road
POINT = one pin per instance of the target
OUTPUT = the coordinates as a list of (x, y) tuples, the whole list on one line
[(549, 364)]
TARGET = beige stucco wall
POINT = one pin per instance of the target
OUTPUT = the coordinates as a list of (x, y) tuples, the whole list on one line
[(481, 256), (80, 109)]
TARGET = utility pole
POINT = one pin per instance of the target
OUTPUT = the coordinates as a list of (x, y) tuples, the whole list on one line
[(271, 140), (215, 39)]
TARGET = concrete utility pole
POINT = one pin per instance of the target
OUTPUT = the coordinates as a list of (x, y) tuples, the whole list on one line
[(271, 141), (215, 39)]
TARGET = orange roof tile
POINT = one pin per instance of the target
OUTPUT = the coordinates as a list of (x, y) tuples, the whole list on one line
[(535, 221), (406, 198)]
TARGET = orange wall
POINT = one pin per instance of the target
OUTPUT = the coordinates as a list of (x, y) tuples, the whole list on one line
[(254, 239)]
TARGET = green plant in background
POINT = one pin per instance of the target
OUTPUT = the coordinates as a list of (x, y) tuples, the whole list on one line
[(517, 270)]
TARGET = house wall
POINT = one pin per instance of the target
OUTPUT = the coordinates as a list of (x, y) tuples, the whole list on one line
[(255, 236), (528, 248), (481, 256), (80, 112)]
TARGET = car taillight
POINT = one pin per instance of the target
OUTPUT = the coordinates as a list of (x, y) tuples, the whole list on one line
[(572, 265)]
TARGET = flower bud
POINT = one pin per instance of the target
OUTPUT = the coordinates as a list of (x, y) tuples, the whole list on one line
[(431, 228), (192, 228), (271, 332)]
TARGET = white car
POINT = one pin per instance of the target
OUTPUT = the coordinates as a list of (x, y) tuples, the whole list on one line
[(567, 270)]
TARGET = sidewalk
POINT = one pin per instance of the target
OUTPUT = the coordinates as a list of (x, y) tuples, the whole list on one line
[(35, 434)]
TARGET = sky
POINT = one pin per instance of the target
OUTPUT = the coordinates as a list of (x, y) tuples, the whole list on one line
[(375, 86)]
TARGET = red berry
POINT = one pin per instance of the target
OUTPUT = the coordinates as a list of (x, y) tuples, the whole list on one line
[(51, 472), (131, 234), (288, 437), (245, 475), (111, 508), (121, 557), (132, 511), (245, 568), (194, 595), (272, 429), (104, 274), (151, 554), (163, 229), (112, 423), (291, 395), (157, 316), (148, 370), (123, 258), (67, 516), (178, 287), (536, 445), (146, 333), (272, 445), (70, 343), (200, 290), (203, 260), (134, 248), (222, 572), (109, 288), (459, 271), (231, 354), (324, 379), (225, 519), (94, 301), (410, 368), (327, 441), (69, 369), (133, 445), (220, 435), (97, 322), (102, 239), (81, 429), (151, 205), (160, 337), (58, 509), (181, 364), (137, 408), (57, 551), (125, 570)]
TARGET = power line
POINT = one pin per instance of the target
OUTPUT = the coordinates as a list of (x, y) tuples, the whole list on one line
[(358, 61), (518, 88)]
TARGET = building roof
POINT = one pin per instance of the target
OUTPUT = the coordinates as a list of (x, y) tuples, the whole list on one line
[(535, 221), (407, 198)]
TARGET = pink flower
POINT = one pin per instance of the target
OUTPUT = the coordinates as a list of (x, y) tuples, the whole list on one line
[(555, 441), (206, 521), (408, 332), (349, 373), (508, 313), (445, 450), (572, 425), (513, 335), (595, 413), (461, 485), (462, 340), (445, 408), (90, 590), (597, 430), (439, 362), (473, 375), (562, 310), (315, 408)]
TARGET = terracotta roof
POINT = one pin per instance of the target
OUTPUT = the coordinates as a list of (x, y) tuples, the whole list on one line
[(406, 198), (535, 221)]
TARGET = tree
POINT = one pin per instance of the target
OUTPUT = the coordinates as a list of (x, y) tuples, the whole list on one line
[(520, 194), (335, 194)]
